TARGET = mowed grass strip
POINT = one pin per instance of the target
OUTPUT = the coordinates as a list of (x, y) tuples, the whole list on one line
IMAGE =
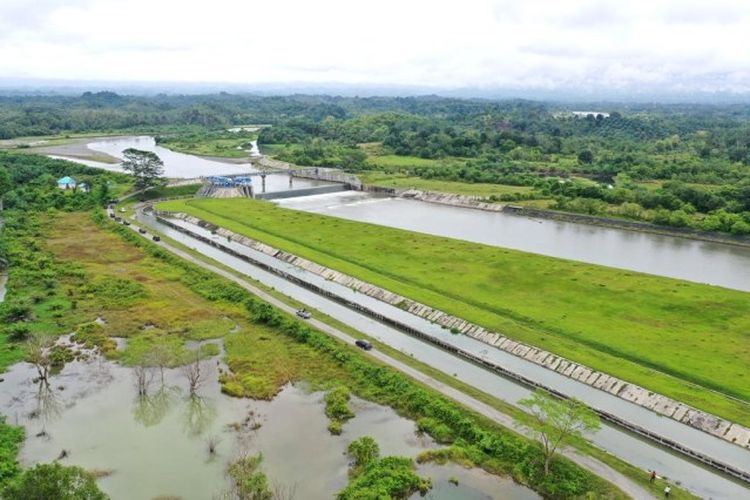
[(684, 340)]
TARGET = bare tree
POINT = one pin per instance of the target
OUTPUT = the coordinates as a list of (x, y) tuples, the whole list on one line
[(159, 356), (193, 372), (143, 378), (39, 351), (557, 422)]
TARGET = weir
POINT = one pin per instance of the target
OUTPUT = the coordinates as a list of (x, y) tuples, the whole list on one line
[(275, 195)]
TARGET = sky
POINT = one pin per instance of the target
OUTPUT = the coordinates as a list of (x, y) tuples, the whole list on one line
[(665, 45)]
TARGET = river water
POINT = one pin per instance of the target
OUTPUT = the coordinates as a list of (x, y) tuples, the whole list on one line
[(682, 258), (631, 448), (181, 165)]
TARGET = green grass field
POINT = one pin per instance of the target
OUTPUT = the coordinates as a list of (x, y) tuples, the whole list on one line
[(440, 186), (688, 341)]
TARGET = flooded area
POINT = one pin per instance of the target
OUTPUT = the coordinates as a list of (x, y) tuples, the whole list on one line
[(682, 258), (642, 453), (90, 414)]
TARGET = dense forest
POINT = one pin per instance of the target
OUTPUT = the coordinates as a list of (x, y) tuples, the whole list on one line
[(681, 165)]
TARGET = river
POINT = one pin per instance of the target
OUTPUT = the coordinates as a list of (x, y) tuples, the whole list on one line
[(675, 257), (642, 453), (181, 165)]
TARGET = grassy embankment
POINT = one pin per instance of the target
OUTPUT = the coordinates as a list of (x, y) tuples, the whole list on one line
[(685, 340), (108, 276)]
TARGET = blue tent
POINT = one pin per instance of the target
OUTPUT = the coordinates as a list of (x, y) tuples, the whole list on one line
[(66, 182)]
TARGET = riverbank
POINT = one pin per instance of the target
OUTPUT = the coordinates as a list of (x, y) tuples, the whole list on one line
[(511, 284)]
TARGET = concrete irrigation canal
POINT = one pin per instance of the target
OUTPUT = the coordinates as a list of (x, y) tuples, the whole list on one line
[(495, 378)]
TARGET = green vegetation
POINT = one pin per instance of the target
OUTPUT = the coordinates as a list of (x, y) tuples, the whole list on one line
[(362, 451), (145, 166), (221, 143), (249, 482), (374, 477), (337, 408), (11, 437), (684, 340), (56, 481)]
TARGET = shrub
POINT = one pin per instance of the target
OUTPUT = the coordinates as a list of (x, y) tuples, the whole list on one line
[(54, 481)]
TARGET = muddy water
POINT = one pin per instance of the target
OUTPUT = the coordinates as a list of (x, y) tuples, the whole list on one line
[(157, 445), (682, 258)]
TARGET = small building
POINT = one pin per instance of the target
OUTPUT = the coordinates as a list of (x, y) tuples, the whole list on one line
[(83, 187), (66, 182)]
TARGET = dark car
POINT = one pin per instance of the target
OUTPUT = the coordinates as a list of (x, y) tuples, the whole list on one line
[(141, 230), (156, 238), (126, 223), (363, 344), (118, 219), (111, 215)]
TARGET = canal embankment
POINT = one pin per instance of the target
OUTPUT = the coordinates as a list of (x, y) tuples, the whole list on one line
[(628, 392)]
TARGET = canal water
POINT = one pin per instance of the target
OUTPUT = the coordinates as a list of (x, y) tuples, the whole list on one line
[(631, 448), (157, 445), (682, 258)]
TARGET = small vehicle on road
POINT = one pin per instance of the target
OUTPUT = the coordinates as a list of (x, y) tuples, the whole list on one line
[(304, 313), (125, 223), (111, 215), (156, 238), (141, 230), (118, 219), (361, 343)]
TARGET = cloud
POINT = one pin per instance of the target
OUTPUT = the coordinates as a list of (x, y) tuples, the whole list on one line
[(696, 44)]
